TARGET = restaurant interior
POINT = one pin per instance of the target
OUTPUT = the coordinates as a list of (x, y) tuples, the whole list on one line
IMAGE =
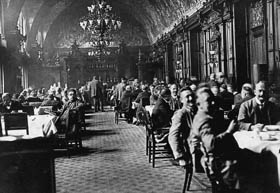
[(140, 96)]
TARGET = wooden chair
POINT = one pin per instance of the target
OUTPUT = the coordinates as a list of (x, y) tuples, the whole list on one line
[(44, 110), (188, 177), (16, 121), (71, 136), (118, 111), (153, 146), (35, 104), (28, 109), (157, 147)]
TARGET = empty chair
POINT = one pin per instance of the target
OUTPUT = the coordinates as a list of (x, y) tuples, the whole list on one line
[(16, 121)]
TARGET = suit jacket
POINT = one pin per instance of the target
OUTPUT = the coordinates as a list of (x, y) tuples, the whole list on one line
[(179, 133), (206, 129), (119, 90), (175, 103), (161, 115), (95, 88), (126, 101), (250, 114), (69, 105), (14, 106), (143, 95), (220, 149)]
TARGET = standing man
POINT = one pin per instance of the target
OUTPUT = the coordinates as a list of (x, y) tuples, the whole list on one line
[(119, 90), (95, 92)]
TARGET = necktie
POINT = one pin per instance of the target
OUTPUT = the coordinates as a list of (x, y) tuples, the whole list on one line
[(261, 106)]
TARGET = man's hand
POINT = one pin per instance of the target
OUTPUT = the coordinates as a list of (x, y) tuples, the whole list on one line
[(257, 127), (182, 162)]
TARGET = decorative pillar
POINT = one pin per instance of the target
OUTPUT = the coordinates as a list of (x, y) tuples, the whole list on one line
[(140, 65)]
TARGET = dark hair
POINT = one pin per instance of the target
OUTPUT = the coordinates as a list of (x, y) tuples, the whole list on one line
[(184, 89), (165, 92), (201, 91), (72, 90)]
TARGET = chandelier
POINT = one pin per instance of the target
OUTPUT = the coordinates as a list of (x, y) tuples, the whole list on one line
[(99, 24)]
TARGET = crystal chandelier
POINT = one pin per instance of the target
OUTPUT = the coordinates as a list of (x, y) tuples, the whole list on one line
[(99, 25)]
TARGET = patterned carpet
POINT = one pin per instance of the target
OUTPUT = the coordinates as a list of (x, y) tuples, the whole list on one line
[(113, 161)]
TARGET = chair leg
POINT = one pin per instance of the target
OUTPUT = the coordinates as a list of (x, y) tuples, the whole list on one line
[(147, 143), (154, 155), (149, 153), (116, 117), (188, 179)]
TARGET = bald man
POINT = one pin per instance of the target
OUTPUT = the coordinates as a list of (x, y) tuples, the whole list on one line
[(257, 112)]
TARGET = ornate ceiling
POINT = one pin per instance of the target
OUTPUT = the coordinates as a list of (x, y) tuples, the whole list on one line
[(149, 18)]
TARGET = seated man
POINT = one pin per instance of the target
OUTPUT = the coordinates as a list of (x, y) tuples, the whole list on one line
[(226, 98), (257, 112), (162, 114), (50, 101), (72, 104), (181, 127), (175, 103), (246, 94), (220, 148), (33, 97), (8, 105), (142, 100), (125, 103)]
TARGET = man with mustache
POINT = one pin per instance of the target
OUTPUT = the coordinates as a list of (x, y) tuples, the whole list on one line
[(257, 112)]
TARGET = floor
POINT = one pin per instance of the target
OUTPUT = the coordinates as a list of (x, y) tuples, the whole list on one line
[(113, 160)]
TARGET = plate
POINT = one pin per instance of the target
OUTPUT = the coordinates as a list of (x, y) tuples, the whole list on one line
[(269, 139)]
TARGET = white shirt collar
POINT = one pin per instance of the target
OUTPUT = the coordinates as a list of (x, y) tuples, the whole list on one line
[(259, 102)]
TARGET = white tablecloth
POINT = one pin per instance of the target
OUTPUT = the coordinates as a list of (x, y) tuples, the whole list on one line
[(250, 140), (38, 125), (43, 125)]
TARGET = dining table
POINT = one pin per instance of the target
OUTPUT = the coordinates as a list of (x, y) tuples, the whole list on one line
[(38, 125), (267, 145)]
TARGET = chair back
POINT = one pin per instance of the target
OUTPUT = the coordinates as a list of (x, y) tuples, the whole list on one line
[(16, 121), (44, 110), (35, 104), (73, 122), (145, 101), (28, 109)]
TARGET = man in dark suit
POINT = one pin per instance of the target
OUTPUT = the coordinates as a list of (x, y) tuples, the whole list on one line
[(8, 105), (72, 104), (162, 114), (257, 112), (95, 93)]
